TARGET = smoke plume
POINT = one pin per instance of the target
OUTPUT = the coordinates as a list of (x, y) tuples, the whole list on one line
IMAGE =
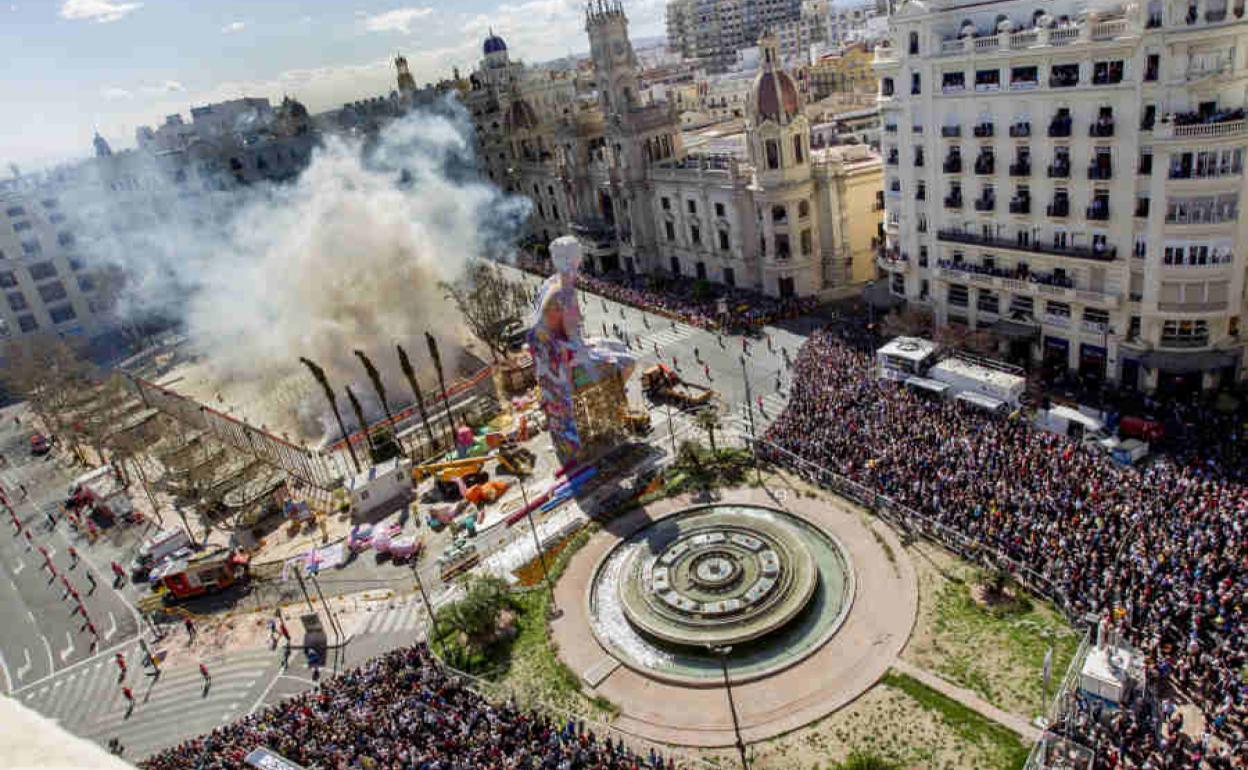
[(347, 256)]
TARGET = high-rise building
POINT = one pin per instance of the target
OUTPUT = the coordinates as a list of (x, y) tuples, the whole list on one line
[(713, 31), (1068, 176)]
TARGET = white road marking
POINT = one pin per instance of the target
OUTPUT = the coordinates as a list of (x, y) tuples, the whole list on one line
[(25, 668), (8, 678), (30, 615), (112, 628), (264, 694), (21, 565), (48, 647), (65, 653)]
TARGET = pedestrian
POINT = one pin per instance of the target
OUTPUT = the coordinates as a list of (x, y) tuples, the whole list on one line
[(119, 574), (128, 695), (29, 542), (25, 492), (121, 665), (91, 580), (190, 629), (73, 557), (706, 369), (281, 627), (203, 671), (272, 634), (90, 627), (68, 588)]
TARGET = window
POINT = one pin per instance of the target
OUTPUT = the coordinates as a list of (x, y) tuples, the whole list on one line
[(695, 235), (7, 280), (31, 248), (22, 226), (15, 211), (914, 43), (1022, 307), (782, 247), (719, 209), (1063, 75), (666, 203), (723, 240), (988, 80), (692, 206), (62, 313), (17, 301), (42, 270), (958, 295), (886, 86), (797, 150), (730, 277), (988, 302), (675, 266), (1152, 67), (953, 82), (779, 214), (805, 243), (27, 323), (1057, 309), (52, 291), (1022, 78), (916, 83), (86, 283), (1207, 164), (1107, 72), (1177, 333), (772, 148)]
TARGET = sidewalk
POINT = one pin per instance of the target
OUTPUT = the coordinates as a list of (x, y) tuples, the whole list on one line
[(1025, 730)]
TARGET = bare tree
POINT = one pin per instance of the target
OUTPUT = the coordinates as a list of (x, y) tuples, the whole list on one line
[(319, 374), (491, 305), (911, 322)]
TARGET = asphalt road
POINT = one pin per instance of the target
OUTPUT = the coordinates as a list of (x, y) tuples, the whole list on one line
[(40, 631)]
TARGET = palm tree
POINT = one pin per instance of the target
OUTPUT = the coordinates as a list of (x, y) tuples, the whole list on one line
[(406, 365), (707, 419), (359, 416), (319, 374), (375, 377), (446, 397)]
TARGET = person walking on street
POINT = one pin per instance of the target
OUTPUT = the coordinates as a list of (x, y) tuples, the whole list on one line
[(129, 696), (203, 671), (189, 625), (91, 580), (73, 558), (119, 575), (121, 667)]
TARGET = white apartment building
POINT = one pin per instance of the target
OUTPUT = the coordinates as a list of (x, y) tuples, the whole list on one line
[(713, 31), (1068, 175)]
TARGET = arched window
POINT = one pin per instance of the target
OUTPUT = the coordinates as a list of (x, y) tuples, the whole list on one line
[(772, 148), (914, 43)]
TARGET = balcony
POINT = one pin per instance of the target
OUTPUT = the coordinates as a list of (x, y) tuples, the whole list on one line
[(1027, 282), (1060, 128), (1141, 208), (985, 204), (1100, 171), (890, 128), (1020, 130), (1059, 170), (952, 165), (953, 201), (985, 165), (1223, 129), (951, 132), (1099, 254), (1059, 208), (1098, 212), (1101, 129), (984, 131), (1020, 205), (893, 158), (1063, 81), (1020, 168), (920, 194)]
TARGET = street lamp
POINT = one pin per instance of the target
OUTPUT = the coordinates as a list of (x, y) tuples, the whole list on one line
[(722, 653), (541, 556), (420, 586)]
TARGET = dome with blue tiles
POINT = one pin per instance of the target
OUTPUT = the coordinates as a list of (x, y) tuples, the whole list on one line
[(494, 44)]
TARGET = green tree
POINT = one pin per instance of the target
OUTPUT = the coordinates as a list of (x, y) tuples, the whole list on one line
[(865, 760), (476, 616), (707, 418)]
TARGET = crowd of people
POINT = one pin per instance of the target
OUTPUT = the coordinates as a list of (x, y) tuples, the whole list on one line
[(1159, 553), (691, 302), (403, 711)]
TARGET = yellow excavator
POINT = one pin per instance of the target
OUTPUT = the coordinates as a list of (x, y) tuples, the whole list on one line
[(516, 460)]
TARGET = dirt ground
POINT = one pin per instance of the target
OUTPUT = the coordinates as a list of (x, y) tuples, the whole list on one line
[(884, 720)]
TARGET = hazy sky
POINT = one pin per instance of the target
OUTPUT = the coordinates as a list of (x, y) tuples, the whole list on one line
[(72, 66)]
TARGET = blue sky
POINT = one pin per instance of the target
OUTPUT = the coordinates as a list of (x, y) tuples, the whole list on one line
[(72, 66)]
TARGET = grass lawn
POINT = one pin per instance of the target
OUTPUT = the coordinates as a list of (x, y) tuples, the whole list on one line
[(997, 653)]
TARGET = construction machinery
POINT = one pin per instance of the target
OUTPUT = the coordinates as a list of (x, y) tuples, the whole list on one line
[(662, 384)]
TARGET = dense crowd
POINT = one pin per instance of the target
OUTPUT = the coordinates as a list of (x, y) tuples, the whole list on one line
[(1159, 553), (403, 711), (680, 300)]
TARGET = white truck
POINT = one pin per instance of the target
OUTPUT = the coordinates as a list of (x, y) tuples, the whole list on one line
[(979, 383)]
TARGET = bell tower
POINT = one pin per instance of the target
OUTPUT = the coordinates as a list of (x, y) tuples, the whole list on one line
[(407, 83), (615, 63)]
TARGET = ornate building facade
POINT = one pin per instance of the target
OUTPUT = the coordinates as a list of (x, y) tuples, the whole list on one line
[(1068, 175), (749, 204)]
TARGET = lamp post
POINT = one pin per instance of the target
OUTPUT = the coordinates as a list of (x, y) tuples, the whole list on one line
[(420, 586), (722, 653), (541, 555)]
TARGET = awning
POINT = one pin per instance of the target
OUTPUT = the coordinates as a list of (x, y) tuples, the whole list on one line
[(980, 400), (1016, 329), (1185, 362), (923, 383), (880, 297)]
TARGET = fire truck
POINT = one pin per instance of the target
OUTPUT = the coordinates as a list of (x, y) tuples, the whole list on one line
[(198, 575)]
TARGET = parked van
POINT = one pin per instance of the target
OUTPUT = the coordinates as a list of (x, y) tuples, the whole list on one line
[(157, 548)]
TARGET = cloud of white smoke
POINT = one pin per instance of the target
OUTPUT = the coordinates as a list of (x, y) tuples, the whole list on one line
[(348, 256)]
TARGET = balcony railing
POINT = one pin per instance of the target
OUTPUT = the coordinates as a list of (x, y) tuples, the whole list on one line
[(1020, 168), (1058, 209), (952, 165), (1020, 130), (951, 132), (1098, 213), (1220, 130), (893, 159), (1060, 128), (1102, 129), (953, 201), (1020, 206), (985, 204), (1059, 171), (984, 131), (1100, 254), (985, 166), (1100, 171)]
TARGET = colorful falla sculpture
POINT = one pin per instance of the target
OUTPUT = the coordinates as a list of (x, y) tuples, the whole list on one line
[(567, 364)]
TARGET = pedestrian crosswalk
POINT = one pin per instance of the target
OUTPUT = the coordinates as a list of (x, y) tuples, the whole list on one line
[(773, 406), (88, 699), (404, 617)]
